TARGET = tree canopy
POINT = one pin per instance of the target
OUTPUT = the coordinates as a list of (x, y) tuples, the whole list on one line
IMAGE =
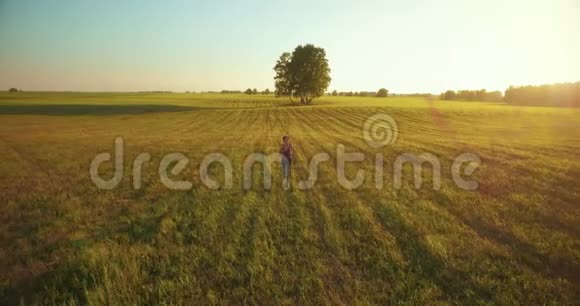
[(302, 74), (383, 92)]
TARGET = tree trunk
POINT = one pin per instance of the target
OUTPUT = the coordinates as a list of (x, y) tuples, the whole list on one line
[(306, 99)]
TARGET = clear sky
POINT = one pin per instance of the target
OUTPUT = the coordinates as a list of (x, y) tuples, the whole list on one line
[(405, 46)]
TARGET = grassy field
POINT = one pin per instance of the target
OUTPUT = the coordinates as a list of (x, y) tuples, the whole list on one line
[(515, 240)]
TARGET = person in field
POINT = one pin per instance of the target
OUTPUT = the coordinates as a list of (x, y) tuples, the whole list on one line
[(287, 151)]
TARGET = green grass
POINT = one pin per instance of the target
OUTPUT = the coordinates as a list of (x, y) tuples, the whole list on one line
[(516, 240)]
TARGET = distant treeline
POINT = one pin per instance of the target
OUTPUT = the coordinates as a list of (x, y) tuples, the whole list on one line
[(248, 91), (414, 95), (472, 95), (380, 93), (353, 93), (563, 94)]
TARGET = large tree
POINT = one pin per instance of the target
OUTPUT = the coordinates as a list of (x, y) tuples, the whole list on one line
[(302, 74), (383, 92)]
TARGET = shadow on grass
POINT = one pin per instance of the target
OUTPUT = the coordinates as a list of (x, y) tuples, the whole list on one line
[(90, 109), (70, 282), (424, 266), (524, 251)]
